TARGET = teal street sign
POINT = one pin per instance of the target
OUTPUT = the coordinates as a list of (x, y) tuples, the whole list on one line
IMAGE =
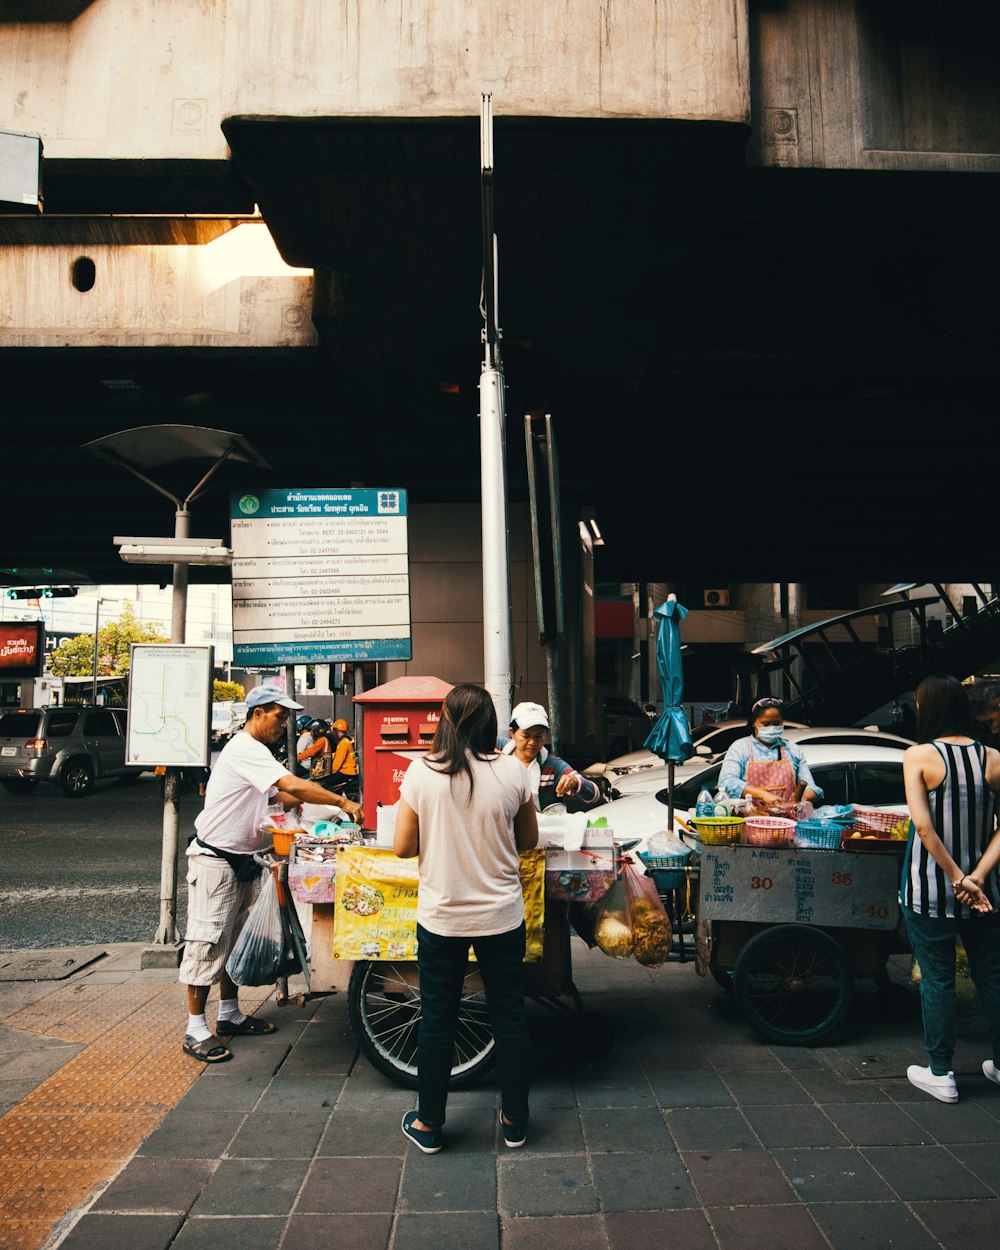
[(320, 576)]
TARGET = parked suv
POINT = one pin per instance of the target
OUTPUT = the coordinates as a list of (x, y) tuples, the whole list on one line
[(72, 746)]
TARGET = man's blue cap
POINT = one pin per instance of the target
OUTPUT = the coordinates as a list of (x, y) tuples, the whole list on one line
[(260, 695)]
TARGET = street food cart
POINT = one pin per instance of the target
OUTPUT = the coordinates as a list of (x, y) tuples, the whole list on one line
[(788, 928), (381, 979)]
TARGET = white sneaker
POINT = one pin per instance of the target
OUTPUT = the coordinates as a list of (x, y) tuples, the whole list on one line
[(990, 1072), (943, 1088)]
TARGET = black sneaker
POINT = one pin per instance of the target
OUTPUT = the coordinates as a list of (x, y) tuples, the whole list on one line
[(427, 1140), (515, 1135)]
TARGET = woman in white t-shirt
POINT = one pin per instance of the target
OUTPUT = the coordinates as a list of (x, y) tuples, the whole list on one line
[(466, 812)]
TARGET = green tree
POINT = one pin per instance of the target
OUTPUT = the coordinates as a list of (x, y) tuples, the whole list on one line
[(227, 692), (75, 658)]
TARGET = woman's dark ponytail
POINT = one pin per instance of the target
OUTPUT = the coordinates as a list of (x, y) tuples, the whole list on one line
[(468, 727)]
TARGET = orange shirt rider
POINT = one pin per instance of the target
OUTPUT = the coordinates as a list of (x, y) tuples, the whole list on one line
[(345, 757)]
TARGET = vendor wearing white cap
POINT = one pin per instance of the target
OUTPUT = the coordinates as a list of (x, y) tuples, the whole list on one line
[(551, 778)]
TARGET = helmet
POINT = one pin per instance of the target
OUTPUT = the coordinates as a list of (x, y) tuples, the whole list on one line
[(340, 724), (302, 722), (315, 727)]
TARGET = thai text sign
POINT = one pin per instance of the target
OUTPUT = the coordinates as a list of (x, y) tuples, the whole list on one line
[(21, 649), (833, 888), (376, 907), (320, 576)]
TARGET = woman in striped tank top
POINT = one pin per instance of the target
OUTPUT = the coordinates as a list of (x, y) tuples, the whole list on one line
[(950, 887)]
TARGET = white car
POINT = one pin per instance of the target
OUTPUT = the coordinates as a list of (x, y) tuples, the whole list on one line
[(871, 775), (711, 742), (649, 780)]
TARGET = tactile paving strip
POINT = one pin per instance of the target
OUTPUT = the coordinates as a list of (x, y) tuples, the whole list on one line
[(78, 1128)]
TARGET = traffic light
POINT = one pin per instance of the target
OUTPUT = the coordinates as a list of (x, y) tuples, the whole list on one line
[(41, 592)]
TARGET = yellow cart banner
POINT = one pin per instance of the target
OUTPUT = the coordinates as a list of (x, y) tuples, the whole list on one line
[(376, 907)]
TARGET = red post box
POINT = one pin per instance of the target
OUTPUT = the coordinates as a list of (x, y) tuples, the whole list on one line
[(400, 721)]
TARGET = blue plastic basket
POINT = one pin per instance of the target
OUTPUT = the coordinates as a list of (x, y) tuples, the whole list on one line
[(819, 835), (667, 871)]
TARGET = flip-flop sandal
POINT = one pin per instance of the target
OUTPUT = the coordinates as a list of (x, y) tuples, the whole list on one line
[(208, 1050), (251, 1026)]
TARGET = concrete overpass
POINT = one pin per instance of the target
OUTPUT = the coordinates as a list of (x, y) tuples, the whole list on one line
[(748, 251)]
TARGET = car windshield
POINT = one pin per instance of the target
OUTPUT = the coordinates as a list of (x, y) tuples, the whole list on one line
[(19, 724), (686, 794), (724, 738)]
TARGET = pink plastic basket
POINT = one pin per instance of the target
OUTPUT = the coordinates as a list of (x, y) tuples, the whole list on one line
[(769, 831)]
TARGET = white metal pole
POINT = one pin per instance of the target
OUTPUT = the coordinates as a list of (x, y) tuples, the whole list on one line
[(165, 951), (97, 630), (496, 576), (497, 650), (178, 606)]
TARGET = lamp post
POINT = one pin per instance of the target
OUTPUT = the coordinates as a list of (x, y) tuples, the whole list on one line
[(497, 629), (97, 635), (139, 452)]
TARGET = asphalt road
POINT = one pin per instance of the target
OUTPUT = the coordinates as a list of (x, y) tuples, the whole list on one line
[(76, 872)]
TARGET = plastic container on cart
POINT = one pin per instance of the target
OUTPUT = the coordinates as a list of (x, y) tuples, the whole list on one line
[(768, 831), (283, 839), (668, 871), (704, 804), (873, 843), (718, 830), (819, 835), (879, 821)]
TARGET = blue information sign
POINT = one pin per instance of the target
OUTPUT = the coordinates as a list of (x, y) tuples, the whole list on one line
[(320, 576)]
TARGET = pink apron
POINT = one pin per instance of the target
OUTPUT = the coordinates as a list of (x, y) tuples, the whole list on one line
[(775, 776)]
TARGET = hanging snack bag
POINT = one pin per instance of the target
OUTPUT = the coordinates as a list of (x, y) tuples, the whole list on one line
[(612, 930), (648, 920)]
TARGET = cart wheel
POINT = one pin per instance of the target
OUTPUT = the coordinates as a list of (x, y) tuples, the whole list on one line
[(793, 984), (383, 1003), (597, 1035)]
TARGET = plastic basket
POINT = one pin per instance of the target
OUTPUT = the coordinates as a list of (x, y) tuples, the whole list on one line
[(876, 820), (718, 830), (819, 835), (664, 862), (668, 871), (283, 840), (769, 831)]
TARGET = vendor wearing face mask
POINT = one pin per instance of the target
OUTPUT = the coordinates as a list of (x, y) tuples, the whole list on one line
[(552, 779), (763, 766)]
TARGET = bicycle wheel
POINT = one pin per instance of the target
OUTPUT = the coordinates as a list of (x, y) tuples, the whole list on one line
[(793, 984), (384, 1009)]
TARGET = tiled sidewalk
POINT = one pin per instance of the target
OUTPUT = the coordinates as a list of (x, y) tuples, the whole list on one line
[(691, 1133)]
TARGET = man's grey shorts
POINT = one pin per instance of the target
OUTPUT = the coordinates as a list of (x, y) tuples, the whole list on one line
[(217, 908)]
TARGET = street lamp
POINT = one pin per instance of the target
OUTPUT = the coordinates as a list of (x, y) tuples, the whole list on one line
[(97, 634)]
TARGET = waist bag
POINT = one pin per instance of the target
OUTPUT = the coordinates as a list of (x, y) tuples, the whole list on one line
[(243, 866)]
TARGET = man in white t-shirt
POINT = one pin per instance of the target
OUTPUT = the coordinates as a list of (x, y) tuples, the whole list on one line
[(221, 876)]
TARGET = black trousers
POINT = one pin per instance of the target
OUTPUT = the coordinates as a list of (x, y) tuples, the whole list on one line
[(442, 962)]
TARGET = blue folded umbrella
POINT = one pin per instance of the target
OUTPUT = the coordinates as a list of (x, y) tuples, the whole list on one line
[(670, 737)]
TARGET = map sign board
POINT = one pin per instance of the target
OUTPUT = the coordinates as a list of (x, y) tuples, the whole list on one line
[(320, 576), (170, 705)]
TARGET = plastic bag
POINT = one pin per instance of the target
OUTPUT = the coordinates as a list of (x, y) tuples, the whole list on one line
[(258, 958), (631, 920), (651, 931), (612, 930)]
